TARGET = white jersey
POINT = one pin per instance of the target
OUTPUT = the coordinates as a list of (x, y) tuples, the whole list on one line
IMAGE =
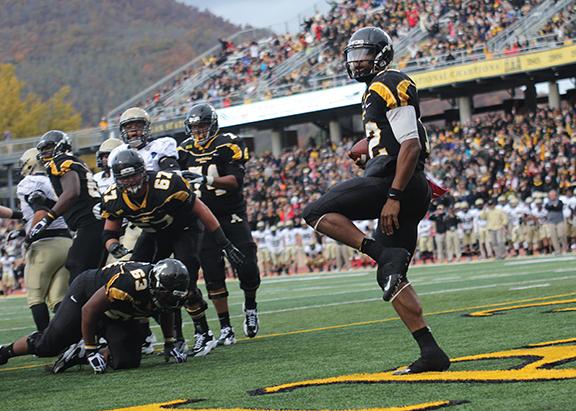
[(259, 237), (466, 221), (274, 242), (313, 250), (539, 213), (515, 214), (151, 152), (102, 181), (289, 235), (30, 184), (425, 228), (307, 235), (7, 262), (479, 223)]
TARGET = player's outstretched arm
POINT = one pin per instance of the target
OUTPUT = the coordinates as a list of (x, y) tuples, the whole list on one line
[(212, 225), (92, 311), (6, 212)]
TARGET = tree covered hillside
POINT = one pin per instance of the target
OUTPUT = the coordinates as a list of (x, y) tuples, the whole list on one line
[(105, 50)]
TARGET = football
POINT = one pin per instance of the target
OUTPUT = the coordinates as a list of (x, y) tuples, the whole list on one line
[(358, 150)]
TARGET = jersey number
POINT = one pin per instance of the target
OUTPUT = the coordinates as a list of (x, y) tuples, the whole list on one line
[(212, 171), (92, 186), (162, 181), (140, 276)]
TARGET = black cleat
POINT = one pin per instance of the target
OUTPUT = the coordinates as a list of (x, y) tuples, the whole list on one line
[(74, 355), (438, 361), (4, 354), (392, 266)]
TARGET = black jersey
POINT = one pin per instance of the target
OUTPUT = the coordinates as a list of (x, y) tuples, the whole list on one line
[(224, 155), (126, 285), (80, 213), (167, 203), (390, 90)]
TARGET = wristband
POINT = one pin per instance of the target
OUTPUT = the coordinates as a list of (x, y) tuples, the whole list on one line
[(52, 215), (17, 215), (395, 194), (90, 347)]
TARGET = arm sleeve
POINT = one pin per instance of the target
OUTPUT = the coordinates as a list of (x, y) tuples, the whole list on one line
[(403, 122)]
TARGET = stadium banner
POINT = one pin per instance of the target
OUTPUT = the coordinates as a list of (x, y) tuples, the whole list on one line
[(521, 63), (351, 94)]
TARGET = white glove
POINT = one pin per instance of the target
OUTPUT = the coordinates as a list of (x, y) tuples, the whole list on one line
[(97, 362)]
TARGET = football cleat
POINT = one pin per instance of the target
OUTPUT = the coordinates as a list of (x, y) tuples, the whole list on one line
[(227, 336), (392, 267), (204, 344), (148, 346), (181, 345), (251, 326), (74, 355), (4, 354), (438, 361)]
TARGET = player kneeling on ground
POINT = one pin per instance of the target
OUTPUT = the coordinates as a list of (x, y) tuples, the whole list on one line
[(109, 303)]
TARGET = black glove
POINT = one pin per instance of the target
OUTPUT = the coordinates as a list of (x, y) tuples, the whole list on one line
[(41, 225), (37, 198), (193, 177), (118, 250), (233, 255), (170, 351)]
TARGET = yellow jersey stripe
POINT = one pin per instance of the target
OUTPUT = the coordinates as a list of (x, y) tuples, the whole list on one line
[(383, 91)]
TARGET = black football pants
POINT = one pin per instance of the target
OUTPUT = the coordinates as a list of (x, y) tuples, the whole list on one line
[(362, 198)]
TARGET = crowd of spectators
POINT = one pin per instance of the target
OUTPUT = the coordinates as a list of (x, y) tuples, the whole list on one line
[(497, 158), (248, 71)]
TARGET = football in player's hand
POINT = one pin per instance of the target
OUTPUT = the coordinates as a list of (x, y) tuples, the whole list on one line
[(359, 151)]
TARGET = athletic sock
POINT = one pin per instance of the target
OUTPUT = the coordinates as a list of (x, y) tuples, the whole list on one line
[(178, 325), (425, 340), (41, 316), (224, 319), (201, 325), (250, 301), (371, 248)]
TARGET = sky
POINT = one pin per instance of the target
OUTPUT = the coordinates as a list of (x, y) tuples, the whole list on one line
[(278, 15)]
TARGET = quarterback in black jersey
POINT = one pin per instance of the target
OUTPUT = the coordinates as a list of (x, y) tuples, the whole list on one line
[(214, 163), (77, 195), (109, 303), (164, 206), (393, 188)]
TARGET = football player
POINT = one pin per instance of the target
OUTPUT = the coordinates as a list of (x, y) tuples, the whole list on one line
[(109, 302), (104, 178), (45, 272), (393, 187), (158, 154), (164, 206), (77, 196), (214, 163)]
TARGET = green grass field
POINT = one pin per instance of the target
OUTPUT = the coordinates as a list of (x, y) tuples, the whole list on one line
[(335, 330)]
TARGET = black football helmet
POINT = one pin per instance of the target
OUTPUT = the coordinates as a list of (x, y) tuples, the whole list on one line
[(168, 283), (51, 144), (201, 123), (129, 171), (369, 51)]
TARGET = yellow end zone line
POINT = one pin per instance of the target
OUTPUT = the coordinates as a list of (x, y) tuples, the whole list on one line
[(356, 324)]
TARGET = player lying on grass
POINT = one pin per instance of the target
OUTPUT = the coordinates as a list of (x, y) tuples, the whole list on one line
[(111, 303)]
